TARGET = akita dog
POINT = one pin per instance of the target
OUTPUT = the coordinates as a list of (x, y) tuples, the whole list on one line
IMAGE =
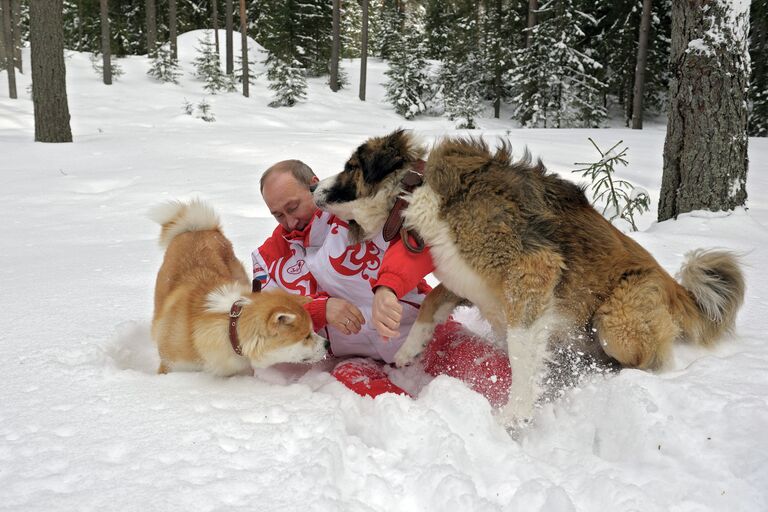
[(528, 249), (206, 317)]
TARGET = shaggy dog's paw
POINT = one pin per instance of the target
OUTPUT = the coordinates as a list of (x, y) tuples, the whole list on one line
[(417, 339)]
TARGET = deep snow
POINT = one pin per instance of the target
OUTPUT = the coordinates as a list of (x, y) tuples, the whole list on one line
[(85, 423)]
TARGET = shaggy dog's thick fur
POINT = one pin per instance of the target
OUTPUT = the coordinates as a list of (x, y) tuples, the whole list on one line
[(198, 282), (528, 249)]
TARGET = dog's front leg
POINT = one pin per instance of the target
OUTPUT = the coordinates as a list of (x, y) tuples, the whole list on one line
[(436, 308), (527, 348), (531, 319)]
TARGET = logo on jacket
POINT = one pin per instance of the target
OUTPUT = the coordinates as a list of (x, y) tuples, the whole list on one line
[(363, 258), (296, 269)]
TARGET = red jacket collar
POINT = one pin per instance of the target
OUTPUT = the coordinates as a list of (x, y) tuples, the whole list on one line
[(303, 234)]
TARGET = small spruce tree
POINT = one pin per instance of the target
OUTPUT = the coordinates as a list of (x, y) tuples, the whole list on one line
[(554, 81), (285, 71), (462, 90), (386, 31), (464, 74), (408, 87), (164, 67), (98, 65), (286, 79), (208, 67), (238, 74)]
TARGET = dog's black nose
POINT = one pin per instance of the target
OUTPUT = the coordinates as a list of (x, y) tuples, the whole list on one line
[(313, 187), (327, 345)]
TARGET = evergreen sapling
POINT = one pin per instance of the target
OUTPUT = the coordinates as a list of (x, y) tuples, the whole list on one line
[(408, 87), (164, 67), (98, 65), (287, 81), (617, 199), (208, 67)]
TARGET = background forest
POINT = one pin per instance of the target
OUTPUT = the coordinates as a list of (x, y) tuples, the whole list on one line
[(564, 63)]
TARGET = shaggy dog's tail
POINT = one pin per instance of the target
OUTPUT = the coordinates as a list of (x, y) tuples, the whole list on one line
[(177, 217), (715, 285)]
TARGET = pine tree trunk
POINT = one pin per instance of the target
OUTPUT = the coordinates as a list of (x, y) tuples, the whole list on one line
[(230, 45), (642, 56), (705, 152), (244, 39), (8, 38), (533, 6), (215, 15), (151, 28), (2, 37), (79, 25), (106, 52), (335, 46), (498, 65), (172, 29), (16, 30), (364, 50), (49, 92)]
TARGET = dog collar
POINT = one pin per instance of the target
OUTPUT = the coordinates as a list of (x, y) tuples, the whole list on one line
[(234, 314), (394, 224)]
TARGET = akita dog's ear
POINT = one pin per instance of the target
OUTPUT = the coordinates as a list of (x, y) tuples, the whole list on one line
[(382, 156), (280, 317)]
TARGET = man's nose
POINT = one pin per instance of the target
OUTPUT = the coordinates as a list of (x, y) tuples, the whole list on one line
[(293, 222)]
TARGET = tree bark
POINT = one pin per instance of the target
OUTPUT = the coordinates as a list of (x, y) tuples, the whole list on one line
[(533, 6), (79, 25), (49, 91), (172, 29), (8, 44), (705, 152), (364, 50), (642, 57), (215, 15), (106, 52), (229, 37), (244, 39), (2, 37), (497, 92), (16, 30), (335, 46), (151, 28)]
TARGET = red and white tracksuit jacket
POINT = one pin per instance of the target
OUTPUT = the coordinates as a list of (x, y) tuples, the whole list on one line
[(318, 262)]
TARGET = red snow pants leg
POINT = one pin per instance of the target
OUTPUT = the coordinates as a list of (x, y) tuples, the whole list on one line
[(365, 377), (456, 352)]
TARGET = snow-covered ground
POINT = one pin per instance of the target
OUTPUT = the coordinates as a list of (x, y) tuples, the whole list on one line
[(85, 424)]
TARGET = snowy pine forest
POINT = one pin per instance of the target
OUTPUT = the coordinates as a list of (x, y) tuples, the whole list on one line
[(537, 63), (157, 108)]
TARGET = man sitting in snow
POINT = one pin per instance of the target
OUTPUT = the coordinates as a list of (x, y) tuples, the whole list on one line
[(309, 254)]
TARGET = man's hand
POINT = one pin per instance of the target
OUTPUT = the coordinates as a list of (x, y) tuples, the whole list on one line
[(387, 312), (343, 315)]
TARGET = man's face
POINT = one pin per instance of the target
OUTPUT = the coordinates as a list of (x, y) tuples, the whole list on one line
[(290, 202)]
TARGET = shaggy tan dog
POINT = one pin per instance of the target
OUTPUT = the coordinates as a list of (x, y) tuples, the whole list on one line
[(198, 284), (540, 263)]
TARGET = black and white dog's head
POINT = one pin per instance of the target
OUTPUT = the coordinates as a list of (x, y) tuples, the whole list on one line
[(364, 192)]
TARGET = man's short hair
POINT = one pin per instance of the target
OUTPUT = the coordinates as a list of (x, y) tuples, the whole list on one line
[(301, 171)]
